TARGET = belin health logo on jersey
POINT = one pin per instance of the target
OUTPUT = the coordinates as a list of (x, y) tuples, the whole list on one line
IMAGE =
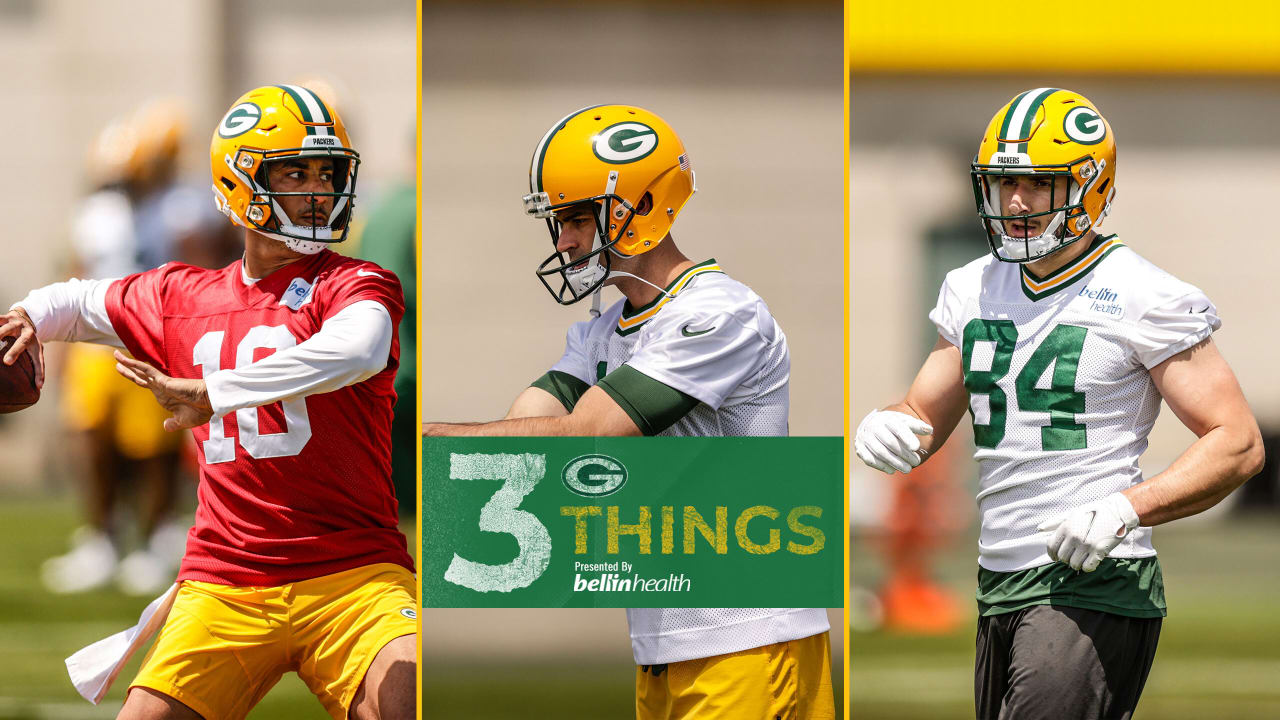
[(297, 294), (625, 142), (240, 120), (1084, 126), (594, 475)]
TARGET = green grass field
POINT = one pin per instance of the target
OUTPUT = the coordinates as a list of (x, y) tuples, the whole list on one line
[(1219, 653), (38, 629)]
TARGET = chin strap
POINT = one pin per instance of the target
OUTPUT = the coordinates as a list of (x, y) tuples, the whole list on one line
[(595, 296), (619, 273)]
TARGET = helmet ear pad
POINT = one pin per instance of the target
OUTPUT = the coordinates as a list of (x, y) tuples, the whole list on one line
[(656, 211), (645, 205)]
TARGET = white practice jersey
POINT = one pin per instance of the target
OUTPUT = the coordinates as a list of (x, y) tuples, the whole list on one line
[(667, 635), (711, 338), (714, 339), (1060, 392)]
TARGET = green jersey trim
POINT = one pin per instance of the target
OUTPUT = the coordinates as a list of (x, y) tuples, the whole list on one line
[(652, 405), (1040, 288), (565, 387), (634, 318), (1120, 586)]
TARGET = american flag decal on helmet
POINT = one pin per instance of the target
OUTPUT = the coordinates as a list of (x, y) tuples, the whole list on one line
[(684, 161)]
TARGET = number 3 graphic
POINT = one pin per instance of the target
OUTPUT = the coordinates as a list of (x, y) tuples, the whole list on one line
[(520, 474)]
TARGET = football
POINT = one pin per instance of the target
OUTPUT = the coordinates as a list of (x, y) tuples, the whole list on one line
[(17, 381)]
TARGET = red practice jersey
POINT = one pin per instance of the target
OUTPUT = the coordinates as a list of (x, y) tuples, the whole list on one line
[(291, 490)]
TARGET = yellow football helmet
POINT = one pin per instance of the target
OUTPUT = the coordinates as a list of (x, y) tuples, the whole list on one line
[(630, 165), (111, 154), (273, 123), (161, 125), (139, 150), (1054, 133)]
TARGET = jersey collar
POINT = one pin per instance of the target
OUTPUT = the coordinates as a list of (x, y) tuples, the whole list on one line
[(633, 318), (1040, 288), (272, 286)]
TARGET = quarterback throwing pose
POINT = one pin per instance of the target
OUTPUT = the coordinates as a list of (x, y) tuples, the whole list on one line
[(688, 351), (1061, 344), (282, 364)]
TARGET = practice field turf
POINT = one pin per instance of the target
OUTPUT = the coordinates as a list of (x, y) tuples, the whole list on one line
[(38, 630), (1219, 653)]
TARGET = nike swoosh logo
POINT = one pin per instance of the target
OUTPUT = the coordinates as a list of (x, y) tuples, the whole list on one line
[(686, 332), (368, 273)]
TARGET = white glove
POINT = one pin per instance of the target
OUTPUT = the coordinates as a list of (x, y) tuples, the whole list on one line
[(1084, 536), (886, 440)]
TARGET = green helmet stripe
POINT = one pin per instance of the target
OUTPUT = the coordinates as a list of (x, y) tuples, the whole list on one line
[(1021, 116), (1004, 126), (540, 152), (312, 108)]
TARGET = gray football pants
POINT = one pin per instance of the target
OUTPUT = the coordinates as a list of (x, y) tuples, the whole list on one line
[(1062, 663)]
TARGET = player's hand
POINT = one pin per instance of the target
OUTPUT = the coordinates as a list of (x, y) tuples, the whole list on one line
[(16, 323), (1084, 536), (187, 399), (886, 440)]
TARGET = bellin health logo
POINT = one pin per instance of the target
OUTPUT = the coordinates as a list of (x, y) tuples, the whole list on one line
[(600, 475)]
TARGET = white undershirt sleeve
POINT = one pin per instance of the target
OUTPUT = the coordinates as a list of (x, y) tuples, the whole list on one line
[(71, 311), (350, 347)]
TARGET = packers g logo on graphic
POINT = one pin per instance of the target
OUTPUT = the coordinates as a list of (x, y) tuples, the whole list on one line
[(594, 475), (624, 142), (240, 120), (1085, 126)]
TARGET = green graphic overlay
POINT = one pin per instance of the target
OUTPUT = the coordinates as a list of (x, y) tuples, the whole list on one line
[(674, 522)]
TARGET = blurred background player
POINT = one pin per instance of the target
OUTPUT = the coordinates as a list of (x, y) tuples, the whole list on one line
[(138, 216), (924, 515), (687, 352), (390, 239)]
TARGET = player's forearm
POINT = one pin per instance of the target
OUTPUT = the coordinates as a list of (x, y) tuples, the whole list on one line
[(71, 311), (937, 395), (350, 347), (516, 427), (943, 425), (1215, 465)]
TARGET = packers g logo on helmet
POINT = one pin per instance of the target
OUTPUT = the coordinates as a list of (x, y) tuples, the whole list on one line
[(239, 120), (625, 142), (1084, 126), (629, 167), (1054, 135)]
